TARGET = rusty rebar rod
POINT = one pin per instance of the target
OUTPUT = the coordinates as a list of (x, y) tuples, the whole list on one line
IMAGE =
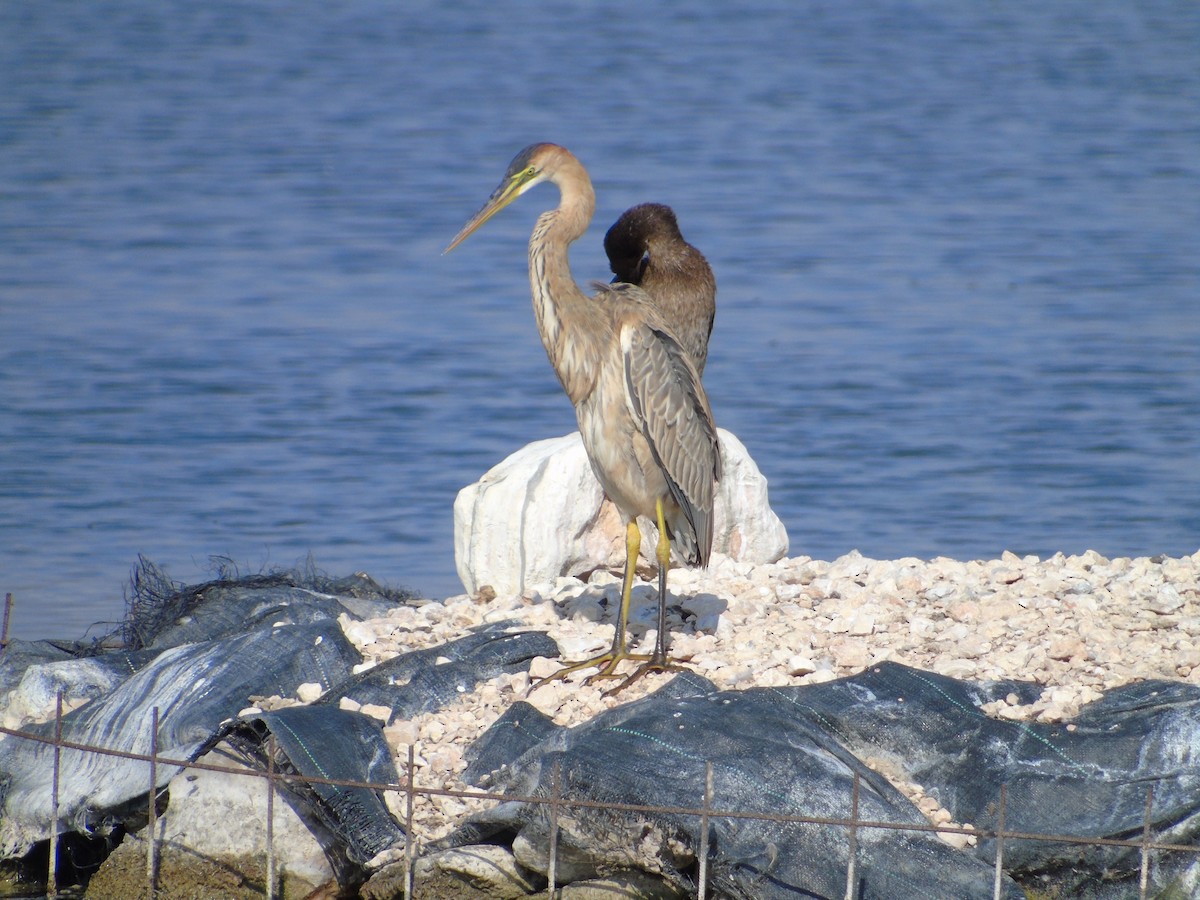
[(998, 881), (1144, 880), (8, 605), (52, 874), (410, 845), (271, 817), (152, 812), (853, 850), (702, 878), (552, 868)]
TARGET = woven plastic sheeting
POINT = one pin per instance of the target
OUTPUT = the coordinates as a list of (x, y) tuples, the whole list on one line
[(421, 681), (795, 751), (328, 743), (194, 687), (765, 759)]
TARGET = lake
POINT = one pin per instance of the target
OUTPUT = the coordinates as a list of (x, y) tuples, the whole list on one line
[(957, 249)]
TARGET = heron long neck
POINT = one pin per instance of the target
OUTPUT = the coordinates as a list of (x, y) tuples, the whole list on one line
[(571, 323)]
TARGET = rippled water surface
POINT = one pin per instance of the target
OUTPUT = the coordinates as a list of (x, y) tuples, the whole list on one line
[(957, 246)]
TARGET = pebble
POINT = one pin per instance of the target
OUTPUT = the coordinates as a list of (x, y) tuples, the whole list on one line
[(361, 634), (541, 667), (800, 665), (401, 734), (375, 711), (309, 691)]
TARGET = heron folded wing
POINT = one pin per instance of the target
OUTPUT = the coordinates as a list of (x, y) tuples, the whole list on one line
[(671, 409)]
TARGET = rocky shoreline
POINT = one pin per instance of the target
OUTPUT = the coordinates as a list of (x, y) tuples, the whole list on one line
[(1076, 625), (1072, 627)]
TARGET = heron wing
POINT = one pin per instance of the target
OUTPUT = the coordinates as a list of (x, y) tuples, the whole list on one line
[(671, 410)]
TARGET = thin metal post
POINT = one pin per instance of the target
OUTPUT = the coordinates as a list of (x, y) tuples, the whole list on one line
[(850, 891), (410, 845), (1144, 884), (8, 605), (552, 873), (52, 874), (997, 881), (702, 881), (270, 816), (152, 813)]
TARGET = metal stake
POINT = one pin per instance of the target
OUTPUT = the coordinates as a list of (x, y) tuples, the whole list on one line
[(52, 875), (410, 846), (552, 873), (8, 605), (1144, 884), (850, 891), (997, 881), (270, 817), (702, 880), (152, 813)]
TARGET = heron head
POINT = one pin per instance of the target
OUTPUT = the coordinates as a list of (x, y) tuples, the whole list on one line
[(533, 165)]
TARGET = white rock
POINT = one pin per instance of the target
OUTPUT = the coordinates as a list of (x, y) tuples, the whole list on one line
[(955, 839), (309, 691), (486, 868), (862, 624), (35, 698), (548, 698), (358, 633), (377, 711), (955, 668), (541, 667), (540, 514), (1166, 601), (219, 815), (801, 666), (401, 733), (581, 645)]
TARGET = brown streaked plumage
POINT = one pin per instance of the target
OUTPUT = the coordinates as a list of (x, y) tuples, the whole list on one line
[(643, 414), (645, 247)]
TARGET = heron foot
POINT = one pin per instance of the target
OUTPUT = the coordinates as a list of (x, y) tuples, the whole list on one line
[(606, 662), (652, 664)]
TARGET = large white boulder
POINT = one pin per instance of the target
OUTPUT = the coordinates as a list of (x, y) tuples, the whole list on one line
[(540, 514), (212, 842)]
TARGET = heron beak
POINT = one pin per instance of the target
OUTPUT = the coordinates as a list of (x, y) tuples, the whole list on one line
[(509, 190)]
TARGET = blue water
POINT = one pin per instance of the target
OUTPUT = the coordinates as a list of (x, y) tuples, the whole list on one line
[(957, 247)]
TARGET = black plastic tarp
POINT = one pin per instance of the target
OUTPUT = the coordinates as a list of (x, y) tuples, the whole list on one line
[(328, 743), (424, 680), (195, 687), (765, 759), (794, 751)]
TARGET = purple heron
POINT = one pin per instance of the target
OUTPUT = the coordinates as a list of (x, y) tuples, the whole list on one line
[(642, 412)]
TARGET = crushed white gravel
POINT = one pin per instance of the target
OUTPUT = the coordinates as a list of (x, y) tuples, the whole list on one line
[(1078, 625)]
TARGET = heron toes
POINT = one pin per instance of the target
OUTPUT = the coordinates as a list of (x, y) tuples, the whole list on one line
[(606, 663), (651, 665)]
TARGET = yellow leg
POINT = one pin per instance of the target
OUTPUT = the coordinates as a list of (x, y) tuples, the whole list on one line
[(633, 546), (658, 661), (607, 662), (664, 564)]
